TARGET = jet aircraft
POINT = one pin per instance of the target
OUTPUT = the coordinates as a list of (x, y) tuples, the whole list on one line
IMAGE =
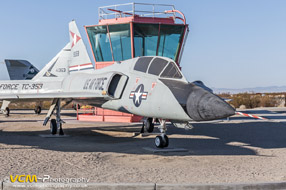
[(149, 86), (20, 70)]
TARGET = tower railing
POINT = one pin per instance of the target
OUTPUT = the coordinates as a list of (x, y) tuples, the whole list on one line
[(136, 9)]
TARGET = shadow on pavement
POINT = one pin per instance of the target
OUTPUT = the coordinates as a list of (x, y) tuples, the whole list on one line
[(110, 138)]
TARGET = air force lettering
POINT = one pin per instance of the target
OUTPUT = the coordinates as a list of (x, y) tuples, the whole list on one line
[(138, 95)]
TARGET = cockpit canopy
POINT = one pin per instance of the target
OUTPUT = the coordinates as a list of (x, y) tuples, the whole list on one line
[(158, 66)]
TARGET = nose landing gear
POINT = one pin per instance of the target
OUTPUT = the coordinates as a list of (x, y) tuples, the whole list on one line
[(162, 141)]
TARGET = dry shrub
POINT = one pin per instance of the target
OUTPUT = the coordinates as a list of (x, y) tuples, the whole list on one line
[(267, 101), (251, 100), (225, 95)]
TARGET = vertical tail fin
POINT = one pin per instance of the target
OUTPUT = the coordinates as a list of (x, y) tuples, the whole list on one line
[(73, 57), (57, 67), (80, 59), (20, 69)]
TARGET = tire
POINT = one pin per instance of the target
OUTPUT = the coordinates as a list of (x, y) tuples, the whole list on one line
[(159, 143), (76, 106), (6, 112), (149, 125), (61, 132), (38, 110), (53, 127), (166, 140)]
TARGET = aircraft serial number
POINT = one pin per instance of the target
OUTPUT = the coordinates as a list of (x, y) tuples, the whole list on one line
[(94, 84), (21, 86)]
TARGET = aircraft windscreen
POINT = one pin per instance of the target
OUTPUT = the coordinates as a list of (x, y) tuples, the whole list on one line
[(142, 64), (171, 71), (157, 66)]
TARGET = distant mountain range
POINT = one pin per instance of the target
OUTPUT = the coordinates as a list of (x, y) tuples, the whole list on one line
[(250, 90)]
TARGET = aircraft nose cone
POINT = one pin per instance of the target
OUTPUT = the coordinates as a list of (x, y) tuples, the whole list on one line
[(203, 105)]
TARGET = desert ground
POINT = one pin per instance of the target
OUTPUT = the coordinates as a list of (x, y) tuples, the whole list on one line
[(240, 150)]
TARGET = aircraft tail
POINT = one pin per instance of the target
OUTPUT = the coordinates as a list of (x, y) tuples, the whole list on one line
[(80, 60), (72, 58), (20, 69), (57, 67)]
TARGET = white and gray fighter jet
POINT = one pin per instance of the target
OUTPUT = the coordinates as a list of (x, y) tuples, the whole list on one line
[(20, 70), (152, 87)]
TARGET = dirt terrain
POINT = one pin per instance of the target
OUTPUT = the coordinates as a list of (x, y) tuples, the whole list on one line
[(239, 150)]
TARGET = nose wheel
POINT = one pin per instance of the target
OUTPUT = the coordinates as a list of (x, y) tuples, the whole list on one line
[(162, 141)]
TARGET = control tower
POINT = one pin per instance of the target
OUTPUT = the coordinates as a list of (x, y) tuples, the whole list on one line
[(126, 31), (130, 30)]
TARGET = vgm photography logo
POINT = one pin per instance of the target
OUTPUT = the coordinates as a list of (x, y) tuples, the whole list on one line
[(24, 178), (46, 179)]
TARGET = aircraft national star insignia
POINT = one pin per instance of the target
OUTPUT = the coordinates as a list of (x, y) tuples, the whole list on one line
[(138, 95)]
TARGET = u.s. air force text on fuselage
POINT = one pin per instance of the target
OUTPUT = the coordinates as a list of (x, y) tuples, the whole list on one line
[(94, 84)]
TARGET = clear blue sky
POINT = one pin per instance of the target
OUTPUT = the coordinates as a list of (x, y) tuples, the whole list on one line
[(231, 44)]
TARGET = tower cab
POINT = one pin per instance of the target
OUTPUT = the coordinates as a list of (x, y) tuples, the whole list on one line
[(131, 30)]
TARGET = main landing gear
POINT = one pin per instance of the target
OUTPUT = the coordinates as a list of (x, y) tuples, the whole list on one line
[(5, 108), (6, 112), (162, 140), (148, 125), (38, 110), (55, 124)]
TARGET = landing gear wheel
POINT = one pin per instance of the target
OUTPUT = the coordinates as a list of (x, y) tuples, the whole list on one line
[(6, 112), (162, 141), (38, 110), (166, 140), (76, 107), (53, 127), (61, 132), (149, 125), (159, 142)]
